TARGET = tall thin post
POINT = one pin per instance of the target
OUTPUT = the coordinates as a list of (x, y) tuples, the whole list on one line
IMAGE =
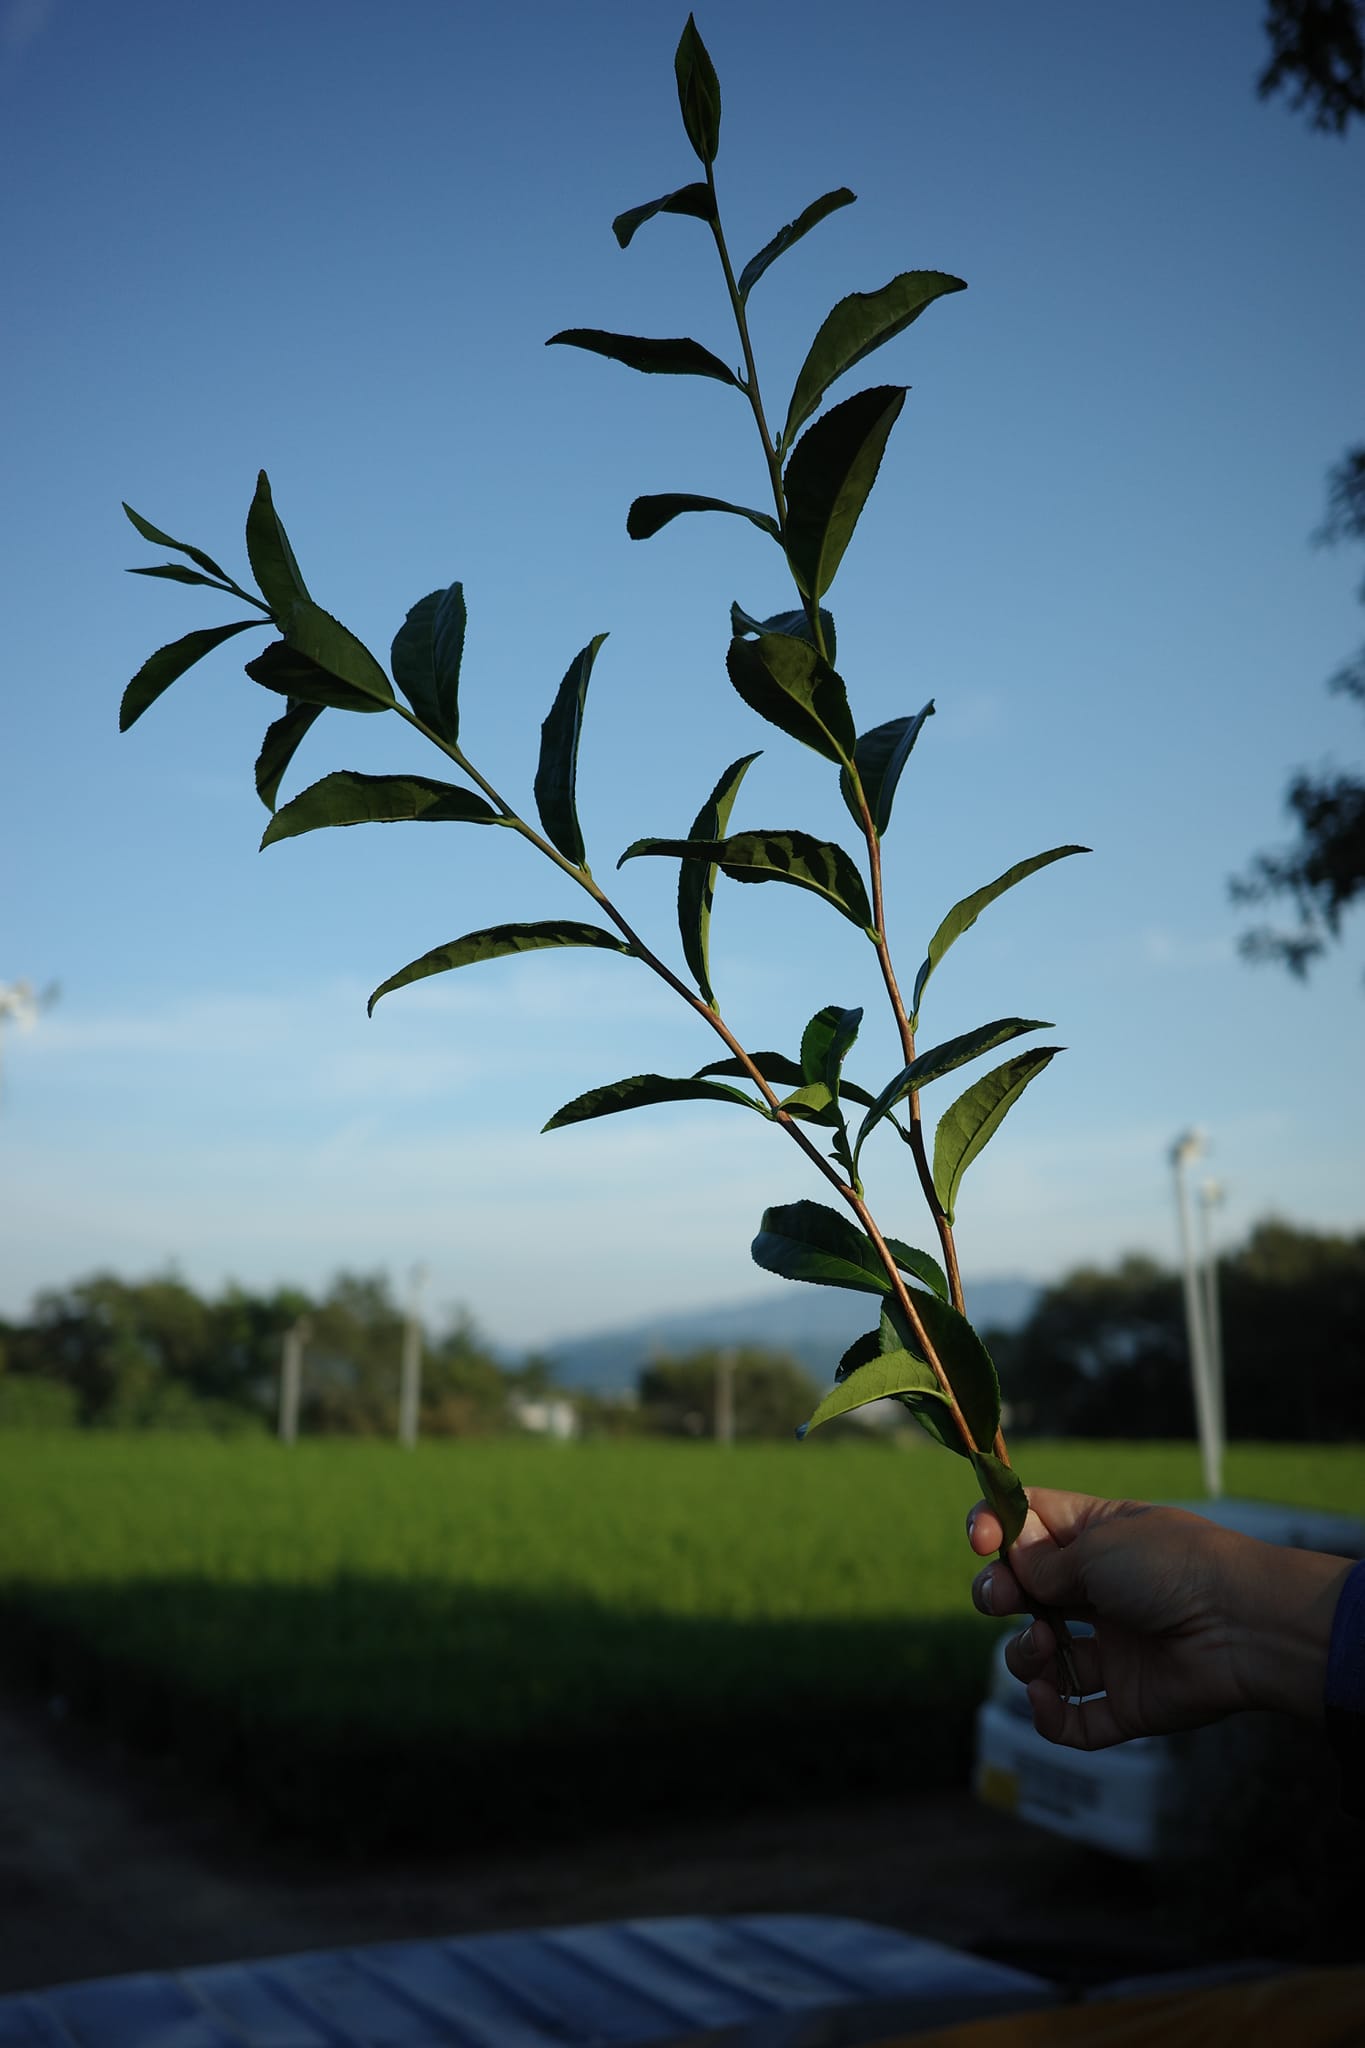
[(291, 1378), (410, 1371), (1210, 1195), (725, 1397), (1186, 1148)]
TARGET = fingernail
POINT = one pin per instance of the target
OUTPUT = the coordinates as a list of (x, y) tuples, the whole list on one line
[(1026, 1643), (985, 1592)]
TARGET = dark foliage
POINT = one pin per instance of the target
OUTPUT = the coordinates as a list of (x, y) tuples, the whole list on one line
[(771, 1393), (1323, 871), (1104, 1352), (153, 1354), (1317, 57)]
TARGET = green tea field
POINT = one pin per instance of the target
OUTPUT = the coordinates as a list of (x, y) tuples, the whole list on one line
[(367, 1646)]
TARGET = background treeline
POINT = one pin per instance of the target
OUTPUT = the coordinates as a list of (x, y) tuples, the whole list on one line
[(112, 1353), (115, 1354), (1104, 1351), (1102, 1355)]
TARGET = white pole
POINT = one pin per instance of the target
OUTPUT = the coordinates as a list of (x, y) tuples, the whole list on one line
[(410, 1371), (1210, 1195), (1185, 1148), (291, 1378)]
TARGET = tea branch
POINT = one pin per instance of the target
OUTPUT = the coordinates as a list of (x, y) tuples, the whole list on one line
[(810, 603), (583, 876)]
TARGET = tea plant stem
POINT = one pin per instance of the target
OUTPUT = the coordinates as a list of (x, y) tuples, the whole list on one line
[(582, 875), (753, 392), (751, 387), (907, 1038)]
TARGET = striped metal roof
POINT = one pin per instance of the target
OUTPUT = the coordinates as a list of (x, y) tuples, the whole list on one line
[(570, 1987)]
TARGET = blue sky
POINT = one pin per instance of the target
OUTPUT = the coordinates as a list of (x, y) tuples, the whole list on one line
[(332, 240)]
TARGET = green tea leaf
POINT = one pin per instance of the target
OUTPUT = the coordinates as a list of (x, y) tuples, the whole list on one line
[(964, 1358), (861, 1351), (963, 915), (888, 1375), (427, 651), (697, 883), (777, 1070), (305, 625), (780, 1072), (334, 647), (289, 673), (1002, 1487), (557, 775), (814, 1103), (813, 864), (182, 547), (647, 515), (788, 682), (972, 1121), (347, 798), (818, 210), (856, 326), (795, 625), (691, 199), (919, 1263), (169, 663), (271, 557), (279, 747), (968, 1045), (698, 93), (826, 1043), (879, 758), (175, 572), (642, 1091), (807, 1241), (670, 356), (832, 469), (940, 1060), (497, 942)]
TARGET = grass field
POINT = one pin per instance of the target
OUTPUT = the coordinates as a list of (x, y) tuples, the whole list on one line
[(369, 1646)]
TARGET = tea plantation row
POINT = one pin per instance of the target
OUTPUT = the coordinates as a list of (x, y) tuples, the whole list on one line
[(501, 1638)]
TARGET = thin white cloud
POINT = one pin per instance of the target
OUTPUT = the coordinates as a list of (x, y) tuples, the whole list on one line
[(538, 1236), (1162, 948)]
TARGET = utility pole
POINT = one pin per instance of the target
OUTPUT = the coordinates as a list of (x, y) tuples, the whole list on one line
[(1210, 1196), (725, 1397), (1207, 1405), (291, 1378), (410, 1371)]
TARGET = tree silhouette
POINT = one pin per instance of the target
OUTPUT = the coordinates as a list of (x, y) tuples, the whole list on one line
[(1324, 870), (1318, 55)]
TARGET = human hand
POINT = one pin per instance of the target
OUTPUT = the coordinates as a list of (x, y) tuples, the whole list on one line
[(1191, 1621)]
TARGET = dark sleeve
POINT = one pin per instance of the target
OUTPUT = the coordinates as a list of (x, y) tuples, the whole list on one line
[(1344, 1697)]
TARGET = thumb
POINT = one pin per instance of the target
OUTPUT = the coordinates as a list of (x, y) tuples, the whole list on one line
[(1050, 1572)]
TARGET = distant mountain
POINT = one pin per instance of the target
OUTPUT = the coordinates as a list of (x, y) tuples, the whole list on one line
[(814, 1324)]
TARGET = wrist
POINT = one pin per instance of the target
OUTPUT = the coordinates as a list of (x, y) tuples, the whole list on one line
[(1281, 1607)]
